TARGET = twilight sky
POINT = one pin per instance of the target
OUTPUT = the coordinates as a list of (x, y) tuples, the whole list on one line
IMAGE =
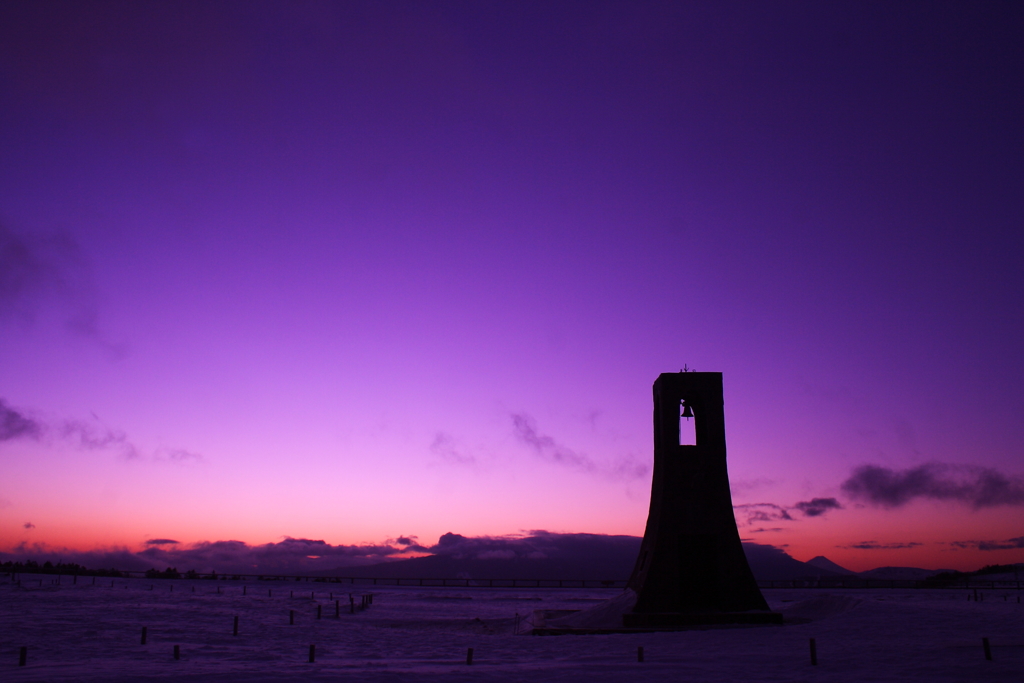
[(361, 272)]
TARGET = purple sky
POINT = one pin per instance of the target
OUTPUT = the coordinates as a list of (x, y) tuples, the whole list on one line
[(351, 271)]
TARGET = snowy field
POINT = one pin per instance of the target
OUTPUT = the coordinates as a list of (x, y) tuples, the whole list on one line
[(88, 632)]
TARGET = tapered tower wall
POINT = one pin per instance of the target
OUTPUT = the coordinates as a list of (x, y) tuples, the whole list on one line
[(691, 561)]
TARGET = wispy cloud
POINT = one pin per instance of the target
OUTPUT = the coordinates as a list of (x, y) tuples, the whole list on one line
[(446, 447), (179, 455), (28, 525), (753, 513), (88, 436), (875, 545), (979, 487), (1009, 544), (161, 541), (93, 437), (524, 427)]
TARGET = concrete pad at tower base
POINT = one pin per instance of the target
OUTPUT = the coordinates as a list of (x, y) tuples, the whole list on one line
[(662, 620)]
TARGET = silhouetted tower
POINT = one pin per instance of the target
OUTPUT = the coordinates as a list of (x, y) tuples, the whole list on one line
[(691, 568)]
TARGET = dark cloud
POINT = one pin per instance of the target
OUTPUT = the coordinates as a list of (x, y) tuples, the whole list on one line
[(751, 513), (405, 540), (15, 425), (980, 487), (28, 525), (161, 541), (525, 429), (1008, 544), (818, 506), (875, 545)]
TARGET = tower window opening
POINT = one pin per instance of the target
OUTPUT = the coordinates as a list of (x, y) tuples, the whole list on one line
[(687, 426)]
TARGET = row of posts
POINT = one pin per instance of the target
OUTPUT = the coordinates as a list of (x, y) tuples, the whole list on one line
[(23, 655)]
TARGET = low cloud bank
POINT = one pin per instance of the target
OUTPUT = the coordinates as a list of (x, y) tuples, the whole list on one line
[(534, 554), (979, 487), (290, 556)]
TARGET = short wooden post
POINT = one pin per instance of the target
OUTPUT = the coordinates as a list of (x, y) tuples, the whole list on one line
[(23, 656), (988, 650), (312, 653), (143, 635), (814, 653), (268, 593), (177, 652), (319, 611), (469, 656), (193, 589), (337, 609), (245, 590), (291, 617), (291, 594), (351, 604), (172, 587), (640, 653), (234, 630)]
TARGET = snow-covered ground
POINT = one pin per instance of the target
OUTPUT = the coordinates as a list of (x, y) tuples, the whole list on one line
[(88, 632)]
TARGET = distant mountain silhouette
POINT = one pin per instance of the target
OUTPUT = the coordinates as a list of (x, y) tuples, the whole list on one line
[(591, 557), (822, 562)]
